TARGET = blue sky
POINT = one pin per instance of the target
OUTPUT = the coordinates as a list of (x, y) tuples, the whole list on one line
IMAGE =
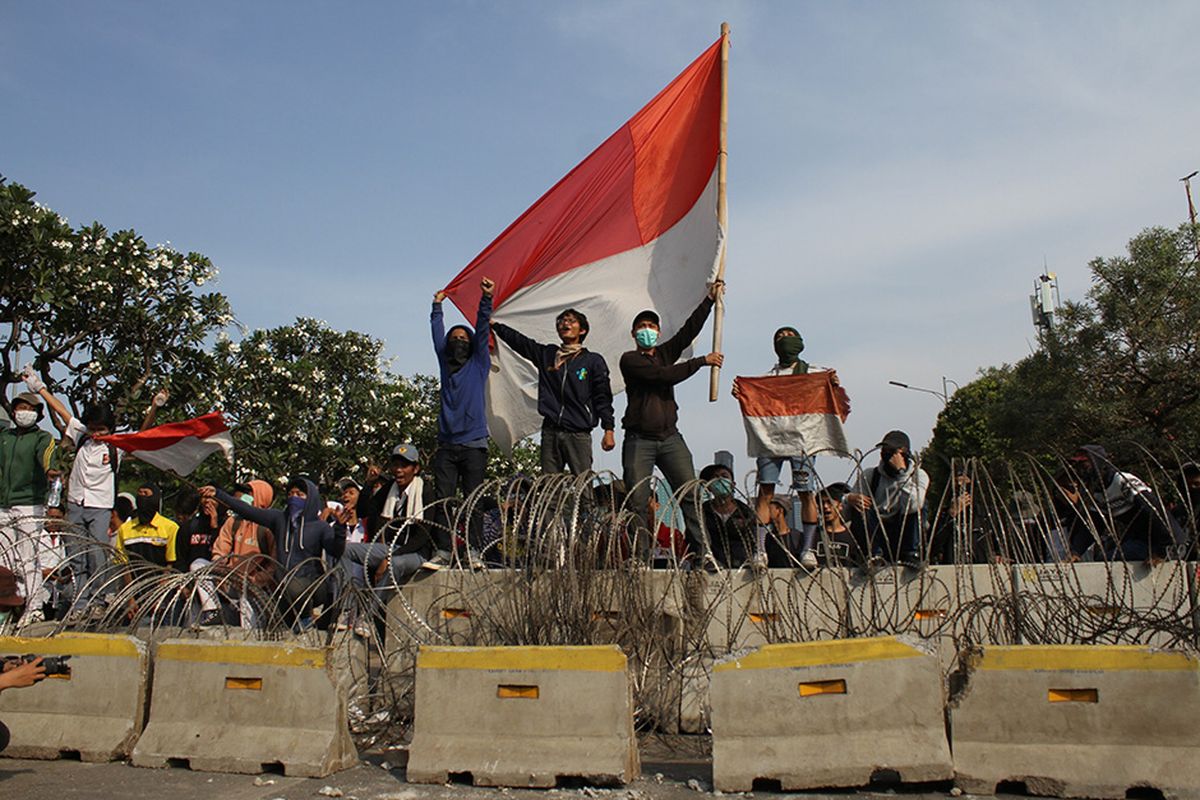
[(898, 172)]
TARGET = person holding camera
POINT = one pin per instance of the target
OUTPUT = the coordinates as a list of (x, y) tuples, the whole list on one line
[(891, 497)]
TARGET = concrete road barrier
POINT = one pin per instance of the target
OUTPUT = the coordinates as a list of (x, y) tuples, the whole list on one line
[(829, 714), (523, 716), (245, 707), (1105, 603), (748, 609), (97, 711), (949, 605), (1078, 721)]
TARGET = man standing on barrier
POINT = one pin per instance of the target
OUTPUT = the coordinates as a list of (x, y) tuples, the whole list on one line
[(573, 393), (651, 436), (461, 458), (29, 461)]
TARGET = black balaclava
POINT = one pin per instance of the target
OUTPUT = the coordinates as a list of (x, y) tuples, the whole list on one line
[(148, 506), (458, 352)]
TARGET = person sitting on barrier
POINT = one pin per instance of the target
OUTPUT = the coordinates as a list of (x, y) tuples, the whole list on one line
[(200, 525), (460, 461), (301, 538), (244, 552), (651, 414), (731, 525), (146, 539), (1187, 509), (506, 527), (1116, 512), (958, 536), (892, 496), (574, 394), (398, 541), (782, 541), (840, 544)]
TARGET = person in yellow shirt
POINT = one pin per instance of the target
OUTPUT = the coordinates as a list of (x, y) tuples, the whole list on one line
[(147, 534)]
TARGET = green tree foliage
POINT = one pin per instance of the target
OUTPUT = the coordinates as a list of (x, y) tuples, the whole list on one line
[(103, 316), (1122, 368)]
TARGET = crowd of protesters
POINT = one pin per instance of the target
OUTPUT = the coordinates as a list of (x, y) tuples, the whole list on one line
[(290, 542)]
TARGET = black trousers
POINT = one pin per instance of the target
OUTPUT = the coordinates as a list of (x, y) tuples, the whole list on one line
[(457, 467)]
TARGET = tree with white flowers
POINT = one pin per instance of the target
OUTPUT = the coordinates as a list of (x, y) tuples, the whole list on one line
[(102, 316)]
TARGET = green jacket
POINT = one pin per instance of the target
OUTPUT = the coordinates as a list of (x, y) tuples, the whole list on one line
[(25, 455)]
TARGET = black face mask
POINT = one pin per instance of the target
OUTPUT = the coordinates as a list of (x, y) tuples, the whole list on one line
[(147, 506), (457, 352)]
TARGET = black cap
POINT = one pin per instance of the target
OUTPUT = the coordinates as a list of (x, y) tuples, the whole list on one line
[(896, 440), (645, 316)]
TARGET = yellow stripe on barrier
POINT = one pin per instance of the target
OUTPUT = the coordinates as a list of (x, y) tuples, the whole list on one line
[(815, 654), (585, 658), (252, 654), (1084, 658), (70, 644)]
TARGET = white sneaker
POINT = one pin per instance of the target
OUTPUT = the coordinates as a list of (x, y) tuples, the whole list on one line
[(31, 618), (808, 560), (759, 562)]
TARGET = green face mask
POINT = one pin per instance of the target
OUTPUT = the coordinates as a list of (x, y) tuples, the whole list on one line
[(788, 348)]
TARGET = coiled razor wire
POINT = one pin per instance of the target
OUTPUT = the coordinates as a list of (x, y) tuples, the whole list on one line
[(572, 564)]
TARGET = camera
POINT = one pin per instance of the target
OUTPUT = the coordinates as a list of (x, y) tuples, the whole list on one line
[(55, 665)]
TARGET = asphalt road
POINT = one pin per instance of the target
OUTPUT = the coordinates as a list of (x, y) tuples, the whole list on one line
[(376, 778)]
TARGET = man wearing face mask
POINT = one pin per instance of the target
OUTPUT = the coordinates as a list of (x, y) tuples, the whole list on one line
[(148, 535), (651, 436), (729, 522), (301, 539), (891, 496), (463, 364), (28, 459), (573, 393)]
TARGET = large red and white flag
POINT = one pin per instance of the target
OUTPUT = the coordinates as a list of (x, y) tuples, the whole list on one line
[(177, 446), (787, 415), (633, 226)]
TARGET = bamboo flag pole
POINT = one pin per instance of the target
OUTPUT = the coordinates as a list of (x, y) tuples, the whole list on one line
[(714, 378)]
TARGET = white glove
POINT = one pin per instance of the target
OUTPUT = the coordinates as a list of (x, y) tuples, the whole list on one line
[(34, 383)]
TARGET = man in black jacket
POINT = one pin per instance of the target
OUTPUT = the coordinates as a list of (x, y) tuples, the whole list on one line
[(651, 436), (573, 392)]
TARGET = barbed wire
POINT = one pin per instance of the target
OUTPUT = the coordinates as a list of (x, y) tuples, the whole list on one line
[(571, 563)]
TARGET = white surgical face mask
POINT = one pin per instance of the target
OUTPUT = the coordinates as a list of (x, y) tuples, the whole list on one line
[(25, 418)]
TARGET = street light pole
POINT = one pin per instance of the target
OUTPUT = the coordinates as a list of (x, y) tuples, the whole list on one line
[(943, 395), (1187, 187)]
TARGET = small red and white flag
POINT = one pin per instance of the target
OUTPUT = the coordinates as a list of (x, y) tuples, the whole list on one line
[(789, 415), (632, 226), (178, 447)]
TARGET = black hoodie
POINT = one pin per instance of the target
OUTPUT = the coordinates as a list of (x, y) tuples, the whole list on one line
[(297, 544)]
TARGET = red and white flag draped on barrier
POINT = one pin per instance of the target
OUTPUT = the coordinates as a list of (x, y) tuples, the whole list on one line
[(177, 446), (787, 415), (633, 226)]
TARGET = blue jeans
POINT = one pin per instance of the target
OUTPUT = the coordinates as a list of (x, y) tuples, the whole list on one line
[(895, 538), (88, 554), (639, 457), (804, 471)]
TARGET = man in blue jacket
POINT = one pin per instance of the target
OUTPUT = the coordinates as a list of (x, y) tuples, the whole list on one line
[(302, 538), (463, 365), (574, 393)]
